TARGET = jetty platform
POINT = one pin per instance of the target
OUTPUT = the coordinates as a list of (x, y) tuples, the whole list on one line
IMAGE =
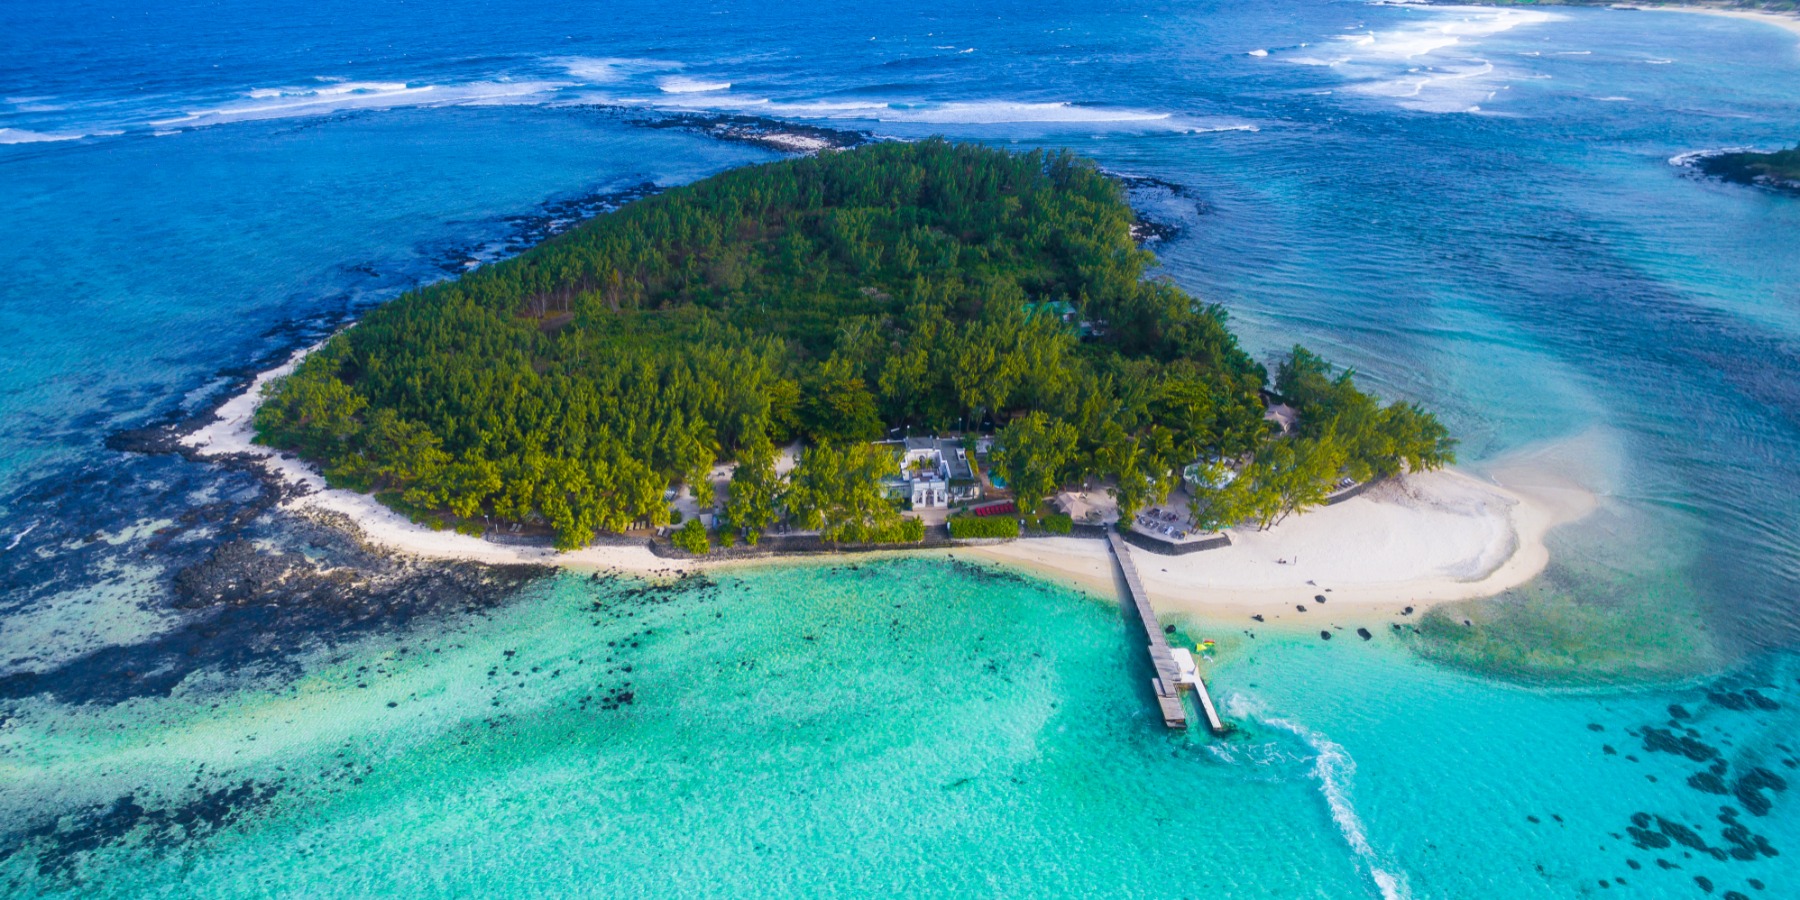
[(1175, 669)]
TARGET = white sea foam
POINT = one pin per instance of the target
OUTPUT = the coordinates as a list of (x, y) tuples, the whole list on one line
[(1259, 53), (611, 69), (976, 112), (1693, 156), (335, 96), (1430, 66), (21, 536), (1334, 769), (1212, 129), (679, 85), (330, 88), (22, 136)]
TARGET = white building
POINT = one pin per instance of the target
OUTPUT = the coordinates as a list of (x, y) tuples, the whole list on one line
[(927, 467)]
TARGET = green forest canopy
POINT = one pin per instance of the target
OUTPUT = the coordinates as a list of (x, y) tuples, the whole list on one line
[(828, 299), (1748, 166)]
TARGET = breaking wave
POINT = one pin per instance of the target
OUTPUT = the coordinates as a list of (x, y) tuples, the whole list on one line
[(22, 136), (329, 96), (679, 85), (972, 112), (1429, 66)]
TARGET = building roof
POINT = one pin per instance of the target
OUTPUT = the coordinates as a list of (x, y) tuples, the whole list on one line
[(958, 463)]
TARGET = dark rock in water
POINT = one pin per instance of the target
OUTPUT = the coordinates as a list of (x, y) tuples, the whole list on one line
[(1681, 834), (1325, 634), (1319, 598), (1364, 634), (1608, 750), (1168, 629), (1258, 617), (1708, 782), (1750, 786), (1300, 606), (1596, 726), (1665, 864), (1734, 895), (60, 844), (1728, 700), (1407, 611), (1760, 702), (1533, 820), (1754, 883), (1704, 882), (1677, 711), (1743, 843), (245, 606), (1634, 864), (1645, 839), (1661, 741)]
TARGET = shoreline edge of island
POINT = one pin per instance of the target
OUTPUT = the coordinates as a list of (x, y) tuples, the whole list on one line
[(1416, 541)]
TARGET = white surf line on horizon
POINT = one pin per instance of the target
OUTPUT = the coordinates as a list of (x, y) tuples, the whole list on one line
[(654, 84)]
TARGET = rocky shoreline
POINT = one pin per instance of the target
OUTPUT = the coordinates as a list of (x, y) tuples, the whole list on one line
[(1775, 171)]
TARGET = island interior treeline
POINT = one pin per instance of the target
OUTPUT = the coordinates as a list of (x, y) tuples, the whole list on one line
[(924, 286)]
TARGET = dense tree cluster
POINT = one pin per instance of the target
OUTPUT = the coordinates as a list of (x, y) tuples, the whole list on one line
[(829, 299), (1780, 168), (1342, 433)]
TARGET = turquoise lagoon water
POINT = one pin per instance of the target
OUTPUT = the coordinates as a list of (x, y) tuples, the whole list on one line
[(903, 726), (1474, 208)]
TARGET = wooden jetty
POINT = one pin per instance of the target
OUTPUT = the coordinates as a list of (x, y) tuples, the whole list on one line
[(1170, 680)]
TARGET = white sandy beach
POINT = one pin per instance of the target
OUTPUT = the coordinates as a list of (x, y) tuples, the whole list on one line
[(231, 432), (1420, 540)]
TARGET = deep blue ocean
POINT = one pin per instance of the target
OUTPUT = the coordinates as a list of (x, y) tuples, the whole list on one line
[(1475, 208)]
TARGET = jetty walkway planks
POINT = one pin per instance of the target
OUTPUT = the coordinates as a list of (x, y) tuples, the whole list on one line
[(1168, 682)]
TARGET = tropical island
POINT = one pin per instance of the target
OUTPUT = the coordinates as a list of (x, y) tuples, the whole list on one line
[(757, 344), (1780, 169)]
